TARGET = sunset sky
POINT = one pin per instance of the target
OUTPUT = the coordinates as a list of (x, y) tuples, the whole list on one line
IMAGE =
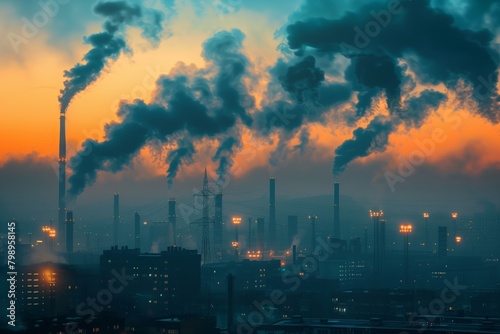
[(408, 116)]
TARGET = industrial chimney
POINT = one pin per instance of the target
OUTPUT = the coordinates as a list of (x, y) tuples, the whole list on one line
[(116, 218), (172, 219), (62, 179), (272, 213), (218, 226), (69, 232), (336, 210), (137, 224), (292, 228)]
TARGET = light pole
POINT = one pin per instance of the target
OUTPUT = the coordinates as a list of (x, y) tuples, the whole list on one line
[(458, 240), (406, 229), (454, 215), (235, 246), (236, 223), (375, 215), (313, 218), (426, 219)]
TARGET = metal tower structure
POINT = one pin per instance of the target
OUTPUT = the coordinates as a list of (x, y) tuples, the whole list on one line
[(336, 210), (62, 180), (205, 221)]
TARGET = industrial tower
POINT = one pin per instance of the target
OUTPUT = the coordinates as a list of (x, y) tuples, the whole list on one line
[(205, 221), (62, 180)]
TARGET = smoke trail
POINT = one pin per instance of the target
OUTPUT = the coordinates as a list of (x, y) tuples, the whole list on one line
[(445, 58), (108, 44), (184, 110), (375, 137)]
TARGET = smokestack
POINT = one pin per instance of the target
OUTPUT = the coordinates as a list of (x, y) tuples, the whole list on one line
[(62, 179), (336, 210), (230, 303), (313, 218), (272, 212), (292, 228), (218, 226), (260, 234), (294, 254), (69, 232), (172, 218), (116, 218), (137, 224), (382, 247), (249, 246)]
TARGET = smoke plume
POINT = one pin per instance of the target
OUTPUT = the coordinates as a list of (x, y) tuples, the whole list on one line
[(184, 110), (108, 44)]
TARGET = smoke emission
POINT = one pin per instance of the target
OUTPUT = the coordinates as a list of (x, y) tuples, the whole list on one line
[(108, 44)]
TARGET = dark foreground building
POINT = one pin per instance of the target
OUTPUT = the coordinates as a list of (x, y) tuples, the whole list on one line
[(298, 324), (152, 285)]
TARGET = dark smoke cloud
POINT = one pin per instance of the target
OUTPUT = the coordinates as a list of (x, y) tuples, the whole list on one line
[(224, 154), (364, 142), (184, 110), (184, 153), (303, 78), (418, 108), (108, 44), (375, 136), (441, 51), (434, 47), (371, 74), (310, 96)]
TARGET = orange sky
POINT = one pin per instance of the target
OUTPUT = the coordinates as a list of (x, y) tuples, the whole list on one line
[(31, 82)]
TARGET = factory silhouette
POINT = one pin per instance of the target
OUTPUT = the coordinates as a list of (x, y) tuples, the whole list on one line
[(259, 274)]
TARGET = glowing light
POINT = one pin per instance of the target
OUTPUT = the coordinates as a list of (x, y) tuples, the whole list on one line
[(236, 220), (405, 228), (454, 215), (234, 243), (426, 215), (458, 239), (376, 213)]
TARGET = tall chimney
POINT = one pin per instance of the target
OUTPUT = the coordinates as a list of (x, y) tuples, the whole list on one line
[(137, 224), (62, 180), (272, 213), (294, 254), (230, 303), (116, 218), (218, 226), (313, 218), (172, 218), (260, 234), (292, 228), (249, 242), (336, 210), (382, 243), (69, 232)]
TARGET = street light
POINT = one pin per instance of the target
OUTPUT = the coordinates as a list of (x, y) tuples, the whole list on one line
[(454, 215), (426, 219), (235, 245), (375, 215), (405, 230), (236, 223)]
